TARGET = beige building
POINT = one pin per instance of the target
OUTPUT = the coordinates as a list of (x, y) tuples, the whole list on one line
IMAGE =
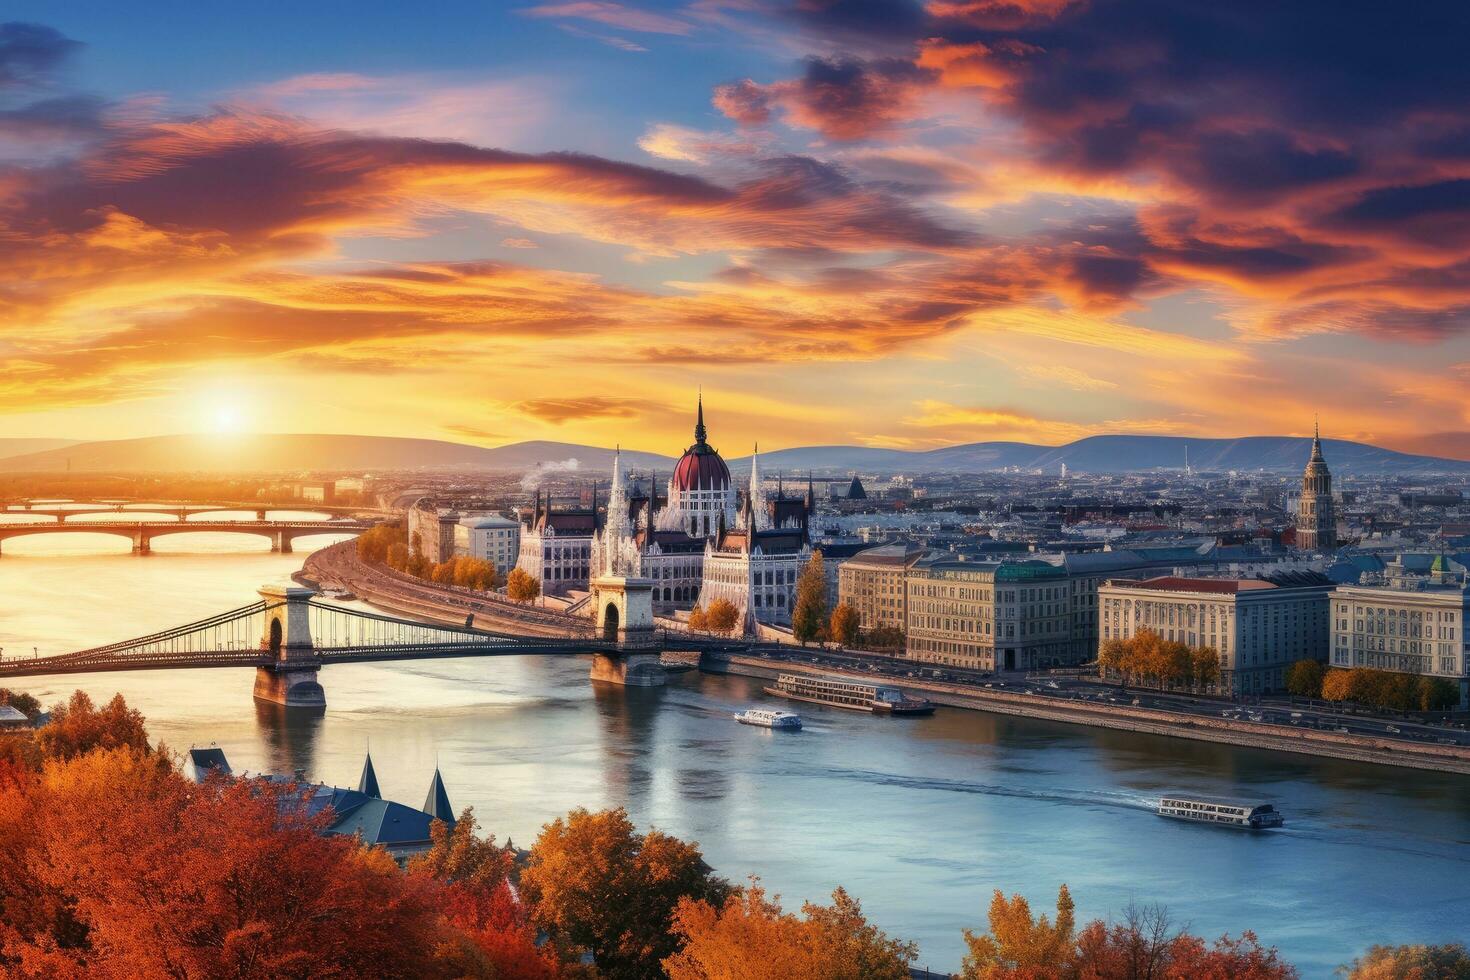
[(431, 531), (489, 537), (1423, 630), (1259, 627), (872, 582), (989, 615)]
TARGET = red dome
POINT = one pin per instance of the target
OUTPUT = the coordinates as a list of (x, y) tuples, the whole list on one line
[(701, 468)]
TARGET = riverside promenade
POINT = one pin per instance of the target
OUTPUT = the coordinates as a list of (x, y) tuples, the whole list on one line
[(339, 567)]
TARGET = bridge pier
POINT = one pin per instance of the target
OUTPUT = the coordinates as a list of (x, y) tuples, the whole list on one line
[(142, 543), (281, 543), (291, 680), (625, 615)]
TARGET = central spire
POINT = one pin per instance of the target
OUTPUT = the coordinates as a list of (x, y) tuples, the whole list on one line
[(699, 430)]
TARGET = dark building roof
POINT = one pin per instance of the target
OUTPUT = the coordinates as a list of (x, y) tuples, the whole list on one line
[(201, 762), (855, 490)]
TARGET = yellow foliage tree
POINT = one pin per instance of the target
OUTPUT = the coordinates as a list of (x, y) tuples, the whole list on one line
[(722, 617), (751, 938), (1337, 685), (1020, 944), (698, 621), (521, 586), (844, 626)]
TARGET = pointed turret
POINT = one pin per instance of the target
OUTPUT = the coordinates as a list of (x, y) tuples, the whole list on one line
[(1317, 442), (699, 430), (811, 493), (367, 783), (437, 803), (758, 517)]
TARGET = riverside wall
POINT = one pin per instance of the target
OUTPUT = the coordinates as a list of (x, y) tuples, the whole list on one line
[(1334, 745)]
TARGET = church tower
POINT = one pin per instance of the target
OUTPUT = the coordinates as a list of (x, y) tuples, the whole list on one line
[(1316, 517)]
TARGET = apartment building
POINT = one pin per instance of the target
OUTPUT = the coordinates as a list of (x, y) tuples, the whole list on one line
[(872, 582), (1415, 630)]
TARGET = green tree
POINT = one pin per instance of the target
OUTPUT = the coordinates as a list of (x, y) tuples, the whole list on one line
[(809, 614), (596, 884), (1436, 694), (843, 627), (1304, 678)]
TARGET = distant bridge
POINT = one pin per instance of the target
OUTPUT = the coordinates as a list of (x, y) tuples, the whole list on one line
[(290, 634), (53, 507), (142, 533)]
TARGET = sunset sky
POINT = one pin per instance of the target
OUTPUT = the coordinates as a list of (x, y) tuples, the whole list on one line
[(879, 222)]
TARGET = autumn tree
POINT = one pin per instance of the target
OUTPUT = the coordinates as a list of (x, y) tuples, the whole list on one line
[(496, 937), (521, 586), (1435, 694), (843, 627), (598, 885), (21, 701), (231, 878), (809, 613), (1304, 678), (722, 617), (1337, 685), (373, 545), (1450, 961), (1019, 945), (751, 938), (698, 622), (1204, 667), (78, 727), (1112, 657), (1147, 944)]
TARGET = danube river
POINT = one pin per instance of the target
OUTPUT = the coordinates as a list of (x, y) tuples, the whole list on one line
[(919, 818)]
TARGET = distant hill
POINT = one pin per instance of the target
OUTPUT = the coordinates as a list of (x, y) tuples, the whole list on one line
[(21, 447), (1097, 454), (1115, 454), (289, 453)]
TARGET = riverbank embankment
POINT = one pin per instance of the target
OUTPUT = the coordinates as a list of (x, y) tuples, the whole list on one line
[(1335, 745), (339, 567)]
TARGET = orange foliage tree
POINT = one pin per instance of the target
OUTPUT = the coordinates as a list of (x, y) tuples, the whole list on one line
[(78, 727), (751, 938), (595, 884), (722, 617)]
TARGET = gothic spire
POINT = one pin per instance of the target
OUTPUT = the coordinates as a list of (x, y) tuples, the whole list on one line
[(367, 783), (1317, 441), (436, 804), (699, 430)]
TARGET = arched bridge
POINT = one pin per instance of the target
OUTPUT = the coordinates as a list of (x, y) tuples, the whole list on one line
[(142, 533), (290, 634)]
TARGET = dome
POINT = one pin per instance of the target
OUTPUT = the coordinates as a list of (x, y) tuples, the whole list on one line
[(701, 468)]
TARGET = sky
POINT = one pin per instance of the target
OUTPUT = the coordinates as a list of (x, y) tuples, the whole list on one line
[(896, 223)]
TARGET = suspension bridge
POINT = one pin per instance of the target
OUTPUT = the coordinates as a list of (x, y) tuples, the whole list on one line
[(290, 634)]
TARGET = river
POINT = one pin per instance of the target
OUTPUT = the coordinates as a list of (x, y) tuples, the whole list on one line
[(921, 819)]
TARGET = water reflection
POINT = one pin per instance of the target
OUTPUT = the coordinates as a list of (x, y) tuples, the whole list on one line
[(289, 736)]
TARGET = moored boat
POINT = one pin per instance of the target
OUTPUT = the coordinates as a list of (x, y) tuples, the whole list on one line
[(1232, 813), (769, 718), (853, 694)]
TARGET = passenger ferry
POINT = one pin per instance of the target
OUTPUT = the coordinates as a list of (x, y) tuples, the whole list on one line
[(1232, 813), (858, 695), (766, 718)]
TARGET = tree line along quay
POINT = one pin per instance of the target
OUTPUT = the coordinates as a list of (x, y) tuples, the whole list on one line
[(113, 862)]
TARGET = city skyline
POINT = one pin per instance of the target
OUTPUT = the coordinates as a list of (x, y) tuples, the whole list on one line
[(890, 224)]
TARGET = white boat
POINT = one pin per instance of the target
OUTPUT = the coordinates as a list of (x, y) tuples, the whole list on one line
[(767, 718), (1232, 813)]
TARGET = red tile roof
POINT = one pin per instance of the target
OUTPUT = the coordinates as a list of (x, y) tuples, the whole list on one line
[(1175, 583)]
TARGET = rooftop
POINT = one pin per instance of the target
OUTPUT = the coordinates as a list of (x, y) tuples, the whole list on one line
[(1175, 583)]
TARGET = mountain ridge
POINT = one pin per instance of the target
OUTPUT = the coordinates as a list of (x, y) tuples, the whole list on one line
[(1093, 454)]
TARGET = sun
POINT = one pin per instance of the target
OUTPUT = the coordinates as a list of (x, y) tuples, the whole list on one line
[(227, 419)]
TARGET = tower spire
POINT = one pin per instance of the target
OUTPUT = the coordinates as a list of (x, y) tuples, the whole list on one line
[(699, 430)]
